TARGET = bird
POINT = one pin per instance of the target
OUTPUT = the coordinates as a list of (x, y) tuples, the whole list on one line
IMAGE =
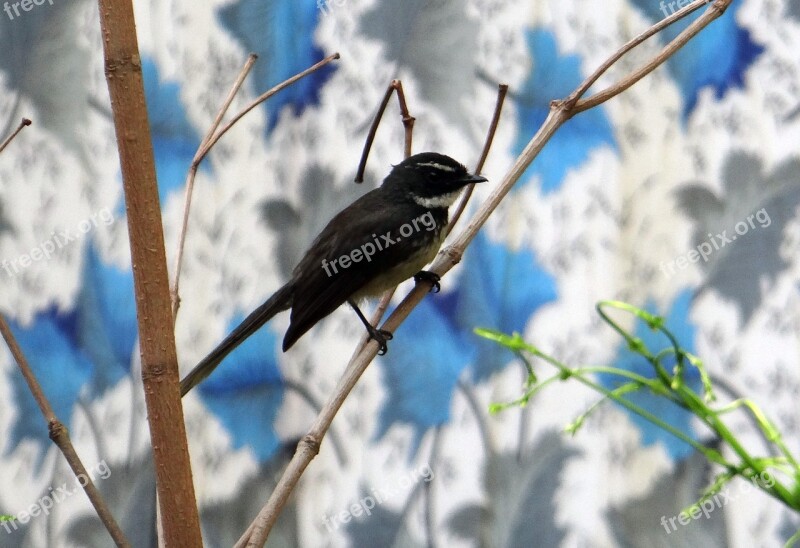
[(380, 240)]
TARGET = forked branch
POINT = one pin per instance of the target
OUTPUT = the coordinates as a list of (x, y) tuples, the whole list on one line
[(211, 138)]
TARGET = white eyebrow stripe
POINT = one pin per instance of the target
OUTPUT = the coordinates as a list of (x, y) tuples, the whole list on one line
[(437, 166)]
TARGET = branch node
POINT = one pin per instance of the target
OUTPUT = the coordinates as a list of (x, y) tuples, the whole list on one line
[(114, 66), (453, 254), (56, 429), (309, 444)]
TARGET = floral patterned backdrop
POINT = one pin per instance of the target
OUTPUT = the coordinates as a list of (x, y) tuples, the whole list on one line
[(680, 196)]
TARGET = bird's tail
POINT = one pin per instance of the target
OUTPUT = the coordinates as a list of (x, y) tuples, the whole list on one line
[(280, 301)]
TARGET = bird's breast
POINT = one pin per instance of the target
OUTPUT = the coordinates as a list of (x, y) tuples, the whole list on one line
[(420, 251)]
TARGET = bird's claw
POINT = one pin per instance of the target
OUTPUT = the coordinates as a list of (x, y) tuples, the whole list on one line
[(381, 336), (428, 276)]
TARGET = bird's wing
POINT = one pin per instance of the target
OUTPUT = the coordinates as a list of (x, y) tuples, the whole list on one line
[(318, 291)]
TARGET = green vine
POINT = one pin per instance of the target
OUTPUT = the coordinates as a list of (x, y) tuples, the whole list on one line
[(778, 476)]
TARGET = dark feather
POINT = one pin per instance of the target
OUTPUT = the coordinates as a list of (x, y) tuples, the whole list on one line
[(317, 294)]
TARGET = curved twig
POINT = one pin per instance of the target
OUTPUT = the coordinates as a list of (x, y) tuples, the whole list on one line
[(502, 91), (408, 125), (211, 139), (189, 190)]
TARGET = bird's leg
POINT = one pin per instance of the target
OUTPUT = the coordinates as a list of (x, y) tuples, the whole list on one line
[(428, 276), (380, 335)]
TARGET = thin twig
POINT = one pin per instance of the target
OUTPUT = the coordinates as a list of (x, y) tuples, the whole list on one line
[(60, 436), (22, 124), (689, 32), (502, 91), (408, 120), (263, 97), (408, 125), (251, 59), (373, 130), (560, 112), (211, 139)]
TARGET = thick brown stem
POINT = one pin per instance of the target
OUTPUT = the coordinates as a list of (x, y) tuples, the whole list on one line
[(123, 68)]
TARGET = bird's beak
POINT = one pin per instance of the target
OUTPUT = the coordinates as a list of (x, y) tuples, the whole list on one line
[(472, 179)]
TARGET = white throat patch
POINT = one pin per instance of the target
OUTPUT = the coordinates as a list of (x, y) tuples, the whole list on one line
[(445, 200)]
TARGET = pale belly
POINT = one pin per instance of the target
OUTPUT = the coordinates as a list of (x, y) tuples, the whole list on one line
[(401, 272)]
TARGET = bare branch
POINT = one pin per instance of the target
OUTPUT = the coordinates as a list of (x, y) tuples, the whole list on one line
[(502, 91), (408, 125), (251, 59), (260, 99), (408, 120), (715, 10), (211, 139), (123, 70), (60, 436)]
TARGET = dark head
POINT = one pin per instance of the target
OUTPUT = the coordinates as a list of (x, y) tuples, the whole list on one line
[(430, 179)]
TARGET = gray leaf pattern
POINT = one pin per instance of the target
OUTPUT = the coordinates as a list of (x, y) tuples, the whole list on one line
[(522, 494), (638, 521), (736, 267), (436, 41), (321, 199)]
